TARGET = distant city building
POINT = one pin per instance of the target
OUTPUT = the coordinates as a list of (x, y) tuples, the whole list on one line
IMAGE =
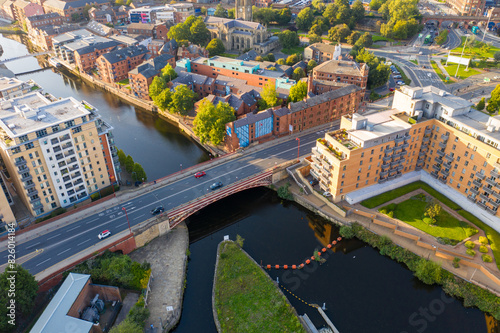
[(42, 36), (68, 9), (182, 11), (23, 9), (155, 31), (12, 87), (43, 20), (467, 7), (100, 29), (155, 14), (115, 65)]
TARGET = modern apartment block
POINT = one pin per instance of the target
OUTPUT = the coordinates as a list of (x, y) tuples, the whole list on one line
[(6, 214), (429, 130), (115, 65), (468, 7), (56, 151), (12, 87), (342, 71)]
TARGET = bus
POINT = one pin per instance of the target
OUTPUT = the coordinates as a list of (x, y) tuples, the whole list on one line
[(427, 39)]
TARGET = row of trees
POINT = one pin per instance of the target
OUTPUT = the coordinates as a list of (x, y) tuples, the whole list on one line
[(338, 12), (378, 73), (402, 18), (192, 30), (132, 167), (268, 15)]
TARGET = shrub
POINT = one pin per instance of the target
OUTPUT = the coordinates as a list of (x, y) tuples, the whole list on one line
[(456, 262), (383, 210), (284, 192), (392, 207), (483, 249), (347, 232), (486, 258), (471, 252), (483, 240), (470, 245), (428, 272), (390, 214)]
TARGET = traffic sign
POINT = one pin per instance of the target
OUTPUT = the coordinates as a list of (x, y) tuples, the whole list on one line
[(486, 79)]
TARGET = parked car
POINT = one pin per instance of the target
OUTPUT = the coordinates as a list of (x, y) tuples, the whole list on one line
[(420, 52), (391, 89), (104, 234), (199, 174), (157, 210), (397, 76), (327, 194), (215, 186)]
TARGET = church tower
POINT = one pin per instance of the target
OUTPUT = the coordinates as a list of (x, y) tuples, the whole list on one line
[(243, 10)]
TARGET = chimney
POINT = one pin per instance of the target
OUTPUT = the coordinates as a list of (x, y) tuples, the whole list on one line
[(310, 85)]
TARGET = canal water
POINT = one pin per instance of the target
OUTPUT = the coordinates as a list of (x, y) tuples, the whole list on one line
[(362, 290), (158, 145)]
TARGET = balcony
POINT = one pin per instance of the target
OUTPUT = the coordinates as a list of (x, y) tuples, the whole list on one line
[(398, 140), (474, 190), (383, 173), (34, 199), (399, 168), (387, 158), (69, 153), (28, 186), (64, 137), (491, 182), (418, 167), (480, 204), (471, 198), (20, 162), (402, 160), (396, 156), (487, 190), (72, 160), (391, 176), (67, 145), (382, 180), (425, 139), (445, 172), (442, 145), (480, 175), (393, 164), (57, 149), (449, 158), (491, 211), (386, 166), (26, 178), (36, 205), (447, 165), (22, 169), (439, 160), (398, 148), (442, 180), (116, 159), (434, 174), (494, 203), (76, 174), (477, 183), (428, 131), (79, 181), (445, 137), (407, 138), (440, 153), (405, 145), (483, 197), (436, 167), (424, 149), (494, 173), (388, 150)]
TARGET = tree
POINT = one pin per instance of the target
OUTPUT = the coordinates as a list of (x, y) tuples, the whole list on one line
[(375, 4), (316, 30), (203, 10), (298, 91), (138, 314), (270, 57), (180, 32), (259, 58), (480, 105), (378, 73), (230, 13), (264, 15), (75, 17), (433, 210), (288, 39), (168, 73), (129, 164), (209, 123), (127, 326), (311, 64), (339, 33), (199, 33), (182, 100), (298, 74), (497, 56), (220, 11), (315, 39), (319, 6), (215, 47), (163, 100), (428, 272), (292, 60), (121, 157), (304, 19), (353, 38), (139, 172), (280, 61), (364, 41), (284, 16), (492, 107), (330, 13), (269, 95), (441, 38), (343, 14), (358, 10), (157, 86), (26, 289)]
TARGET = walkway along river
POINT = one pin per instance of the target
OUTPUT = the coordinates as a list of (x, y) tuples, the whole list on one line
[(363, 291)]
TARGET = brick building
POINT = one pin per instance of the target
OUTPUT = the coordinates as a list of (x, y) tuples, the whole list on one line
[(23, 9), (86, 57), (36, 21), (68, 9), (182, 11), (115, 65), (42, 36), (468, 7), (320, 52), (155, 31), (191, 52), (342, 71), (155, 46), (141, 77)]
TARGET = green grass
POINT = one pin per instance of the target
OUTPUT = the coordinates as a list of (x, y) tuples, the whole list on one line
[(274, 30), (246, 300), (415, 61), (123, 82), (412, 211), (229, 55), (376, 38), (474, 51), (405, 78), (462, 74), (439, 72), (293, 50)]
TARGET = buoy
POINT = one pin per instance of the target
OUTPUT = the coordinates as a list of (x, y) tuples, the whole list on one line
[(339, 239), (312, 258), (319, 253), (294, 267), (277, 266), (301, 265), (308, 261), (329, 246), (334, 242), (285, 266), (323, 250), (268, 266)]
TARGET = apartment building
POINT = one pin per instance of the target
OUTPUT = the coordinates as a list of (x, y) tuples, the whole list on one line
[(42, 36), (342, 71), (55, 150), (6, 214), (191, 52), (468, 7), (86, 57), (428, 129), (115, 65), (68, 9), (148, 14), (320, 52), (242, 104), (182, 11), (141, 77), (155, 31), (43, 20), (24, 9), (12, 87)]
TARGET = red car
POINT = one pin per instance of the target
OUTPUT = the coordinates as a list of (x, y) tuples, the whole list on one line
[(391, 89), (199, 174)]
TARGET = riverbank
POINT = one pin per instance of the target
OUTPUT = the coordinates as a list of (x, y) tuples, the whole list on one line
[(245, 299)]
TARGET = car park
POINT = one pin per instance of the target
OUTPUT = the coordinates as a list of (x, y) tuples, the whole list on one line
[(215, 186), (400, 82), (157, 210), (397, 76), (104, 234), (199, 174)]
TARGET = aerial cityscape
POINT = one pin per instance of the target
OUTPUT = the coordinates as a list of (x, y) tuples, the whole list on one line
[(250, 166)]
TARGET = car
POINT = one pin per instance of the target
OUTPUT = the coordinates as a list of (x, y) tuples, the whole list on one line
[(327, 194), (400, 82), (423, 66), (104, 234), (157, 210), (391, 89), (429, 74), (215, 186), (420, 53), (199, 174), (397, 76)]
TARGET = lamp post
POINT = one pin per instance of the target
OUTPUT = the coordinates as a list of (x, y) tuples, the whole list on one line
[(488, 23), (298, 147), (126, 215)]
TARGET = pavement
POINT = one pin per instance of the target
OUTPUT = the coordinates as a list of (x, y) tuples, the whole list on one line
[(128, 302)]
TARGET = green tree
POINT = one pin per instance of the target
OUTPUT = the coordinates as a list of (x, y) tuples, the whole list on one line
[(127, 326), (378, 73), (270, 57), (138, 314), (304, 19), (428, 272), (209, 123), (215, 47), (492, 107), (433, 210), (497, 56), (264, 15), (330, 13), (441, 38), (365, 40), (298, 91), (343, 14), (180, 32), (75, 17), (230, 13), (269, 95), (129, 164), (298, 74), (292, 59), (319, 6), (315, 39), (182, 100), (200, 35), (220, 11), (139, 172), (203, 10), (26, 289), (315, 30), (353, 37), (375, 4), (168, 73), (495, 94), (280, 61), (284, 16), (157, 86), (121, 157), (480, 105), (163, 100), (259, 58), (311, 64), (339, 33), (358, 10), (288, 39)]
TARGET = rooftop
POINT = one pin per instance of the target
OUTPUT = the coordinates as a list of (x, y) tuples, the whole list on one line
[(232, 23), (98, 46), (319, 99), (379, 125), (122, 54), (7, 83), (72, 35), (84, 42), (340, 67)]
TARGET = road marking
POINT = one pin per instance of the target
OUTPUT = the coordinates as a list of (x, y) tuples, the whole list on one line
[(73, 228), (54, 236), (42, 262), (122, 224), (32, 245), (138, 217), (62, 252), (83, 242)]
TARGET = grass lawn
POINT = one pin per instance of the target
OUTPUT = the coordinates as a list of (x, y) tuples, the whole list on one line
[(229, 55), (415, 61), (412, 212), (439, 72), (246, 300), (405, 78), (293, 50), (274, 30), (474, 51), (123, 82), (376, 38), (462, 74)]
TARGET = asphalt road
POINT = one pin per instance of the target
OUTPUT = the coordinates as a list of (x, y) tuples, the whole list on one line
[(71, 239)]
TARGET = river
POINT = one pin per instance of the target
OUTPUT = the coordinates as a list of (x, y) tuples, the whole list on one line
[(362, 290)]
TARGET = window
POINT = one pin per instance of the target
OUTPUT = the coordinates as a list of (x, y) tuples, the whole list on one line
[(29, 145), (41, 133)]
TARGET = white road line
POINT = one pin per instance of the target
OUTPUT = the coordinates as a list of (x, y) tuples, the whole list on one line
[(83, 242), (42, 262), (54, 236), (33, 245), (73, 228), (138, 217), (63, 252), (125, 223)]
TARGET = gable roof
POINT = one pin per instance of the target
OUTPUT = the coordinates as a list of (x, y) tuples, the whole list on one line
[(319, 99), (58, 4), (122, 54), (98, 46)]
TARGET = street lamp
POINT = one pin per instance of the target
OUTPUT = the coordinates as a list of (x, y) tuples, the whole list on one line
[(487, 24), (126, 215), (298, 148)]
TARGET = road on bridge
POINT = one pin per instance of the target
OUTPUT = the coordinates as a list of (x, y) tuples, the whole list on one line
[(68, 240)]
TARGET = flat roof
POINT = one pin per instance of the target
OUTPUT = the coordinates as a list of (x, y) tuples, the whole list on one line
[(7, 83), (54, 318), (478, 121), (381, 124)]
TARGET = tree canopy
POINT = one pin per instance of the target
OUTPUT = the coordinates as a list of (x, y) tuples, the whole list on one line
[(298, 73), (288, 39), (269, 96), (402, 18), (339, 33), (298, 91), (315, 39), (183, 100), (168, 73), (210, 121), (157, 86), (215, 47), (378, 73), (220, 11), (304, 19), (192, 30)]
